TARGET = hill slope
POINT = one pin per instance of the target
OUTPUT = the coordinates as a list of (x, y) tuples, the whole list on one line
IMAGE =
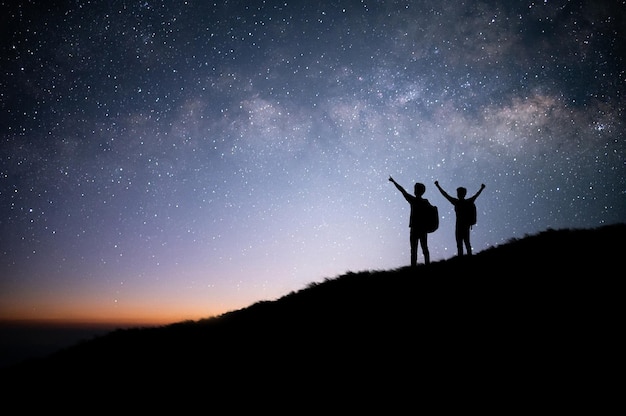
[(531, 321)]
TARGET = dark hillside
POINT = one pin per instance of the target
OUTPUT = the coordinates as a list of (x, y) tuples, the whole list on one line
[(533, 322)]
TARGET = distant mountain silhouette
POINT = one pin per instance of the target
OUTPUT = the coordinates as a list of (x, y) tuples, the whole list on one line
[(530, 325)]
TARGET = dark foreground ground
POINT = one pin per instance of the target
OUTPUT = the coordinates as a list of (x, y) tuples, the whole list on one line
[(533, 325), (21, 341)]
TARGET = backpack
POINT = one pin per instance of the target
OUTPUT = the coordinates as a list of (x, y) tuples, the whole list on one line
[(432, 218), (465, 212), (471, 213)]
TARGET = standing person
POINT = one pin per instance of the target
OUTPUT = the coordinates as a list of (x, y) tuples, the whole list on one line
[(418, 234), (465, 216)]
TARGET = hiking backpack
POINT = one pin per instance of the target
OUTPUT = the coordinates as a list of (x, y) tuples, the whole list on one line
[(471, 213), (432, 219)]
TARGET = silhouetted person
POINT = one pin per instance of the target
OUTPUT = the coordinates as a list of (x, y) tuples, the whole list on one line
[(462, 209), (418, 234)]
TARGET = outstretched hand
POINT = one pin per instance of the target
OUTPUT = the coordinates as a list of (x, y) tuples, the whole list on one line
[(390, 179), (437, 183), (482, 186)]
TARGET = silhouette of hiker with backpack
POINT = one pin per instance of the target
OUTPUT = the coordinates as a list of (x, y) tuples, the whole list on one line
[(465, 211), (419, 221)]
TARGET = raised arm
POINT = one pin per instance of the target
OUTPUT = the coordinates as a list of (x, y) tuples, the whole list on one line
[(482, 186), (401, 189), (444, 193)]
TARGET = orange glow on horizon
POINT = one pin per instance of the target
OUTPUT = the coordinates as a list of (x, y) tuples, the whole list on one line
[(80, 315), (136, 309)]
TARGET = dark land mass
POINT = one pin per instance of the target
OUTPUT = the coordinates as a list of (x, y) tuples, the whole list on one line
[(23, 340), (532, 325)]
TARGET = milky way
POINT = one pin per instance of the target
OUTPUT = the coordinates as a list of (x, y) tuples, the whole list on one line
[(169, 160)]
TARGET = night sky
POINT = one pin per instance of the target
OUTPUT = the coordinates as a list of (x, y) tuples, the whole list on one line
[(164, 161)]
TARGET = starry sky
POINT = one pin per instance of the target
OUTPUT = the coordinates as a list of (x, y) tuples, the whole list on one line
[(164, 161)]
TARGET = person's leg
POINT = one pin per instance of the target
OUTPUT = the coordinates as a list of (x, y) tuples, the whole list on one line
[(413, 248), (424, 243), (466, 239), (458, 233)]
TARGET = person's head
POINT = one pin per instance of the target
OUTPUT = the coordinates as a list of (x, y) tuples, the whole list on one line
[(419, 189), (461, 192)]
